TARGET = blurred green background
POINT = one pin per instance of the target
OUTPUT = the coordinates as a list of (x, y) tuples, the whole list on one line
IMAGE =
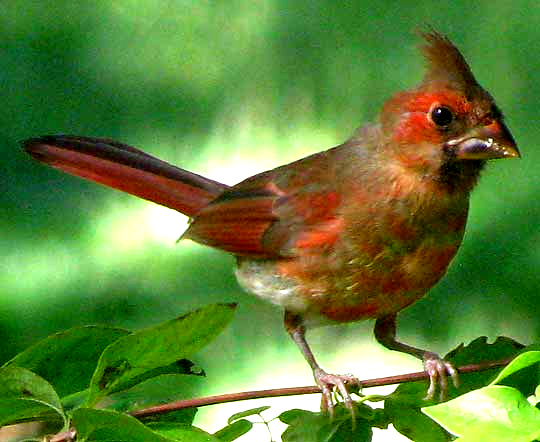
[(228, 89)]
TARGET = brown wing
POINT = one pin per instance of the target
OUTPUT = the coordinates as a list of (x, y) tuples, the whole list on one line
[(274, 214)]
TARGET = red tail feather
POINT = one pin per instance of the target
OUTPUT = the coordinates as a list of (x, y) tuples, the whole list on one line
[(128, 169)]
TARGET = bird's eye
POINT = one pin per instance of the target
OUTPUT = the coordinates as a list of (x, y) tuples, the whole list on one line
[(441, 116)]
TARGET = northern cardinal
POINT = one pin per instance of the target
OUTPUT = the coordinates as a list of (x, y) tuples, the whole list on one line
[(359, 231)]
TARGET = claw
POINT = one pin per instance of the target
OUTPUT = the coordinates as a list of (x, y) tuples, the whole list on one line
[(328, 382), (438, 370)]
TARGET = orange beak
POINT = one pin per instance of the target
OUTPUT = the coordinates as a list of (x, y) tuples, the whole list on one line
[(485, 143)]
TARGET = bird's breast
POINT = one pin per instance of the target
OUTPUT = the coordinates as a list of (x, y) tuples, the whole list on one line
[(386, 258)]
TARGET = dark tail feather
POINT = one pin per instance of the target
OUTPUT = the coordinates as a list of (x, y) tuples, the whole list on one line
[(125, 168)]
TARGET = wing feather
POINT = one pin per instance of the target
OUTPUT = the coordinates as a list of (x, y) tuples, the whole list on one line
[(274, 214)]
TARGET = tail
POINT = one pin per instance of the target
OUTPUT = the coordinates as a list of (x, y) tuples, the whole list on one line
[(125, 168)]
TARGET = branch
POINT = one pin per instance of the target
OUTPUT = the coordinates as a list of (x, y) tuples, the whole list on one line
[(294, 391), (69, 436)]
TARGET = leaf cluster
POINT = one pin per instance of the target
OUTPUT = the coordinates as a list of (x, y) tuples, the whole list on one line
[(80, 379), (89, 381)]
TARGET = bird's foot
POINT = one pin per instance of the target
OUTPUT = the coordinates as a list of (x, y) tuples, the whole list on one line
[(438, 370), (328, 383)]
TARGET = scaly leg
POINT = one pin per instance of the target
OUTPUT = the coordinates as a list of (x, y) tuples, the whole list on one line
[(435, 366), (326, 381)]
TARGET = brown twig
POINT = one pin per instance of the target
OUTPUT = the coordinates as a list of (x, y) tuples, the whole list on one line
[(295, 391), (277, 392)]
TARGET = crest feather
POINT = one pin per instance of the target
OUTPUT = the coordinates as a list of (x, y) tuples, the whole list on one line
[(445, 62)]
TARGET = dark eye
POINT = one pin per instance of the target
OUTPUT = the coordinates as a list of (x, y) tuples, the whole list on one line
[(441, 116)]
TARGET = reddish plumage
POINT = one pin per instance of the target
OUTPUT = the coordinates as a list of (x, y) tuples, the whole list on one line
[(126, 168), (359, 231)]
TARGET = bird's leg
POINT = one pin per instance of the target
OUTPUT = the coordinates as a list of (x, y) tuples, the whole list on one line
[(326, 381), (435, 366)]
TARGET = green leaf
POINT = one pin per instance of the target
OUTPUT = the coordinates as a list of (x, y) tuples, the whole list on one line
[(124, 363), (183, 433), (109, 426), (102, 426), (183, 417), (68, 359), (247, 413), (159, 390), (415, 425), (479, 350), (523, 373), (522, 361), (536, 394), (157, 386), (182, 366), (307, 426), (234, 430), (26, 396), (491, 414)]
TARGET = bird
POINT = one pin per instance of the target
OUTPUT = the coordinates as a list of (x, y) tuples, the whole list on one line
[(359, 231)]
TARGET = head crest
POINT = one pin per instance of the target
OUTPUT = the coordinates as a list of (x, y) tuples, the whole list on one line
[(445, 62)]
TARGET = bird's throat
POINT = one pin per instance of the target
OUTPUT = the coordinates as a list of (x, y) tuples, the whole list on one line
[(460, 176)]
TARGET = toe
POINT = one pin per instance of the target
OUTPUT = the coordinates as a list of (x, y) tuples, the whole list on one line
[(328, 383), (438, 370)]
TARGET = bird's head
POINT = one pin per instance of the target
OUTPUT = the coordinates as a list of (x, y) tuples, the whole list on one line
[(448, 126)]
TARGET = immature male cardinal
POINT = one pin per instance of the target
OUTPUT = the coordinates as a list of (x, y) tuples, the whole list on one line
[(359, 231)]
